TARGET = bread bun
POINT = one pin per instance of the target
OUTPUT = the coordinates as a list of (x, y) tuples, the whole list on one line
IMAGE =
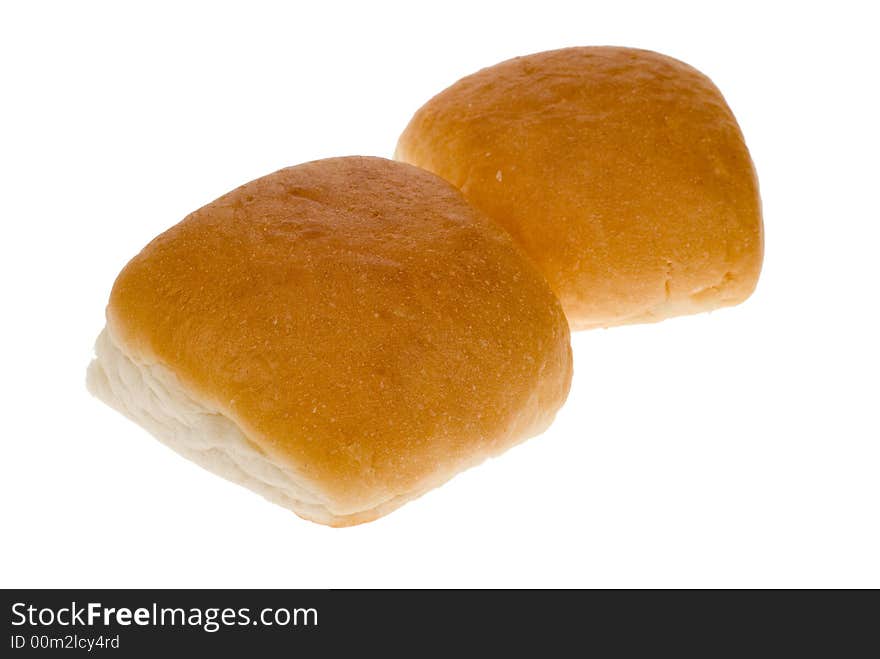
[(621, 172), (340, 336)]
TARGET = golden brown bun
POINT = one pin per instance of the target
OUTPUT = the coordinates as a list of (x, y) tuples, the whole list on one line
[(621, 172), (367, 330)]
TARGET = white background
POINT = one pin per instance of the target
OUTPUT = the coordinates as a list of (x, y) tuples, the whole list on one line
[(739, 448)]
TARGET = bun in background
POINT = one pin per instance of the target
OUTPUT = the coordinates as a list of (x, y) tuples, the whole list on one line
[(621, 172)]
